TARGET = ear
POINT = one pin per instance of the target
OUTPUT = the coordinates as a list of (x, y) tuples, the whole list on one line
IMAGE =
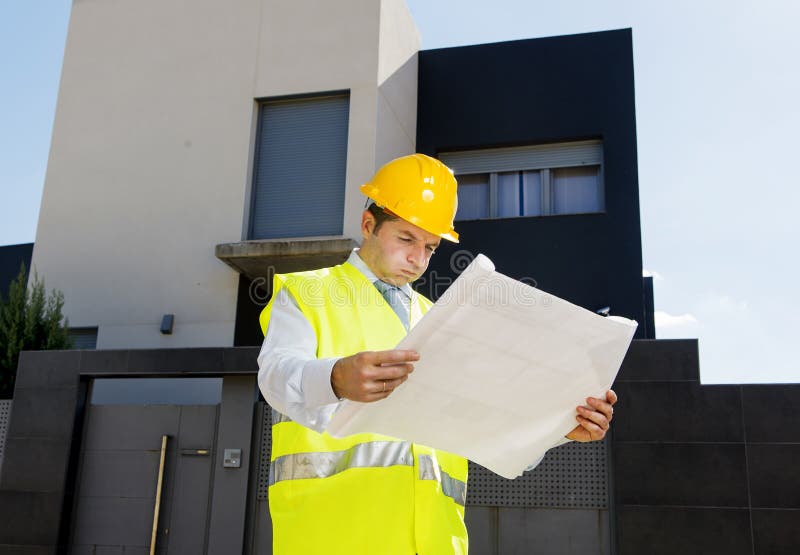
[(367, 223)]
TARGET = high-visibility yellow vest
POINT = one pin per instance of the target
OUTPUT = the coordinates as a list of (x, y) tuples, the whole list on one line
[(365, 493)]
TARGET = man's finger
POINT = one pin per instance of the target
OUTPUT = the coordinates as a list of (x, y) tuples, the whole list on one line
[(601, 405), (597, 417), (372, 397), (611, 397), (392, 384), (387, 386), (377, 396), (595, 431), (393, 356), (393, 371)]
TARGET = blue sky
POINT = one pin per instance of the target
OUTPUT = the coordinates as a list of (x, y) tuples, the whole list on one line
[(717, 89)]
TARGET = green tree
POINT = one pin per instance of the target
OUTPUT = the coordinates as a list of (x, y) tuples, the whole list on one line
[(30, 320)]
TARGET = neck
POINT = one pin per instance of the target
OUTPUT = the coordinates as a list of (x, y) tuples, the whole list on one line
[(364, 255)]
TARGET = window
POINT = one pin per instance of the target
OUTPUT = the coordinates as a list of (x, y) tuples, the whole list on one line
[(83, 338), (299, 170), (156, 391), (542, 180)]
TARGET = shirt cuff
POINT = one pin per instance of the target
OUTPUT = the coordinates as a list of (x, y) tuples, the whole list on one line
[(316, 384)]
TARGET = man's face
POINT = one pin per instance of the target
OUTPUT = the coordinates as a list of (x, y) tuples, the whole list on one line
[(399, 252)]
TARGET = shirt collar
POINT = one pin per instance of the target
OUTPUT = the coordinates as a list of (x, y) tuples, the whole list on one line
[(356, 260)]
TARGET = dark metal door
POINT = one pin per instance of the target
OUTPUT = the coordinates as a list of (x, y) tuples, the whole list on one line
[(118, 476)]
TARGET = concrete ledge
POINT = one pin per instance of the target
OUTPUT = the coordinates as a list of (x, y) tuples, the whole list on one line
[(266, 257)]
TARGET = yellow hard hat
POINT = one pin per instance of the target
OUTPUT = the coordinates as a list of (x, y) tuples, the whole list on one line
[(419, 189)]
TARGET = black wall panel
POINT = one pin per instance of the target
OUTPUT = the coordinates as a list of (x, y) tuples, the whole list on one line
[(11, 257), (534, 92), (689, 531), (702, 468)]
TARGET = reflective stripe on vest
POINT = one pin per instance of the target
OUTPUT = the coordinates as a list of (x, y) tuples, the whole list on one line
[(455, 489), (373, 454)]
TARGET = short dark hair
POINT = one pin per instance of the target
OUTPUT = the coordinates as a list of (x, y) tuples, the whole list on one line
[(381, 215)]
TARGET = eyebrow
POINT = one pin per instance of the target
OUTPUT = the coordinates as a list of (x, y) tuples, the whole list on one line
[(414, 236)]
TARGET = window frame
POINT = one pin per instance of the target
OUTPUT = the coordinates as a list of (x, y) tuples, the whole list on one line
[(544, 158), (257, 141), (85, 332)]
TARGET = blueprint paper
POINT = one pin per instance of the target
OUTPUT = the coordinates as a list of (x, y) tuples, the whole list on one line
[(502, 367)]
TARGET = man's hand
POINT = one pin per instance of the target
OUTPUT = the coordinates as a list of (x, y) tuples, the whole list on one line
[(594, 418), (371, 375)]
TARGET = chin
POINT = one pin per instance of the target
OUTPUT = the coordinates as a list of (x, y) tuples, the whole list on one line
[(400, 280)]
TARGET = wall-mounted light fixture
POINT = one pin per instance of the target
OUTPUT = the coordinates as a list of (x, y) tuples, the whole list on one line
[(167, 322)]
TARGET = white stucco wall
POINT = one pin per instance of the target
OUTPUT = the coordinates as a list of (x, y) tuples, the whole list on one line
[(397, 83), (151, 154)]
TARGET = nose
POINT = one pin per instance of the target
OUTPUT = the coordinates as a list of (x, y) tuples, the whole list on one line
[(416, 255)]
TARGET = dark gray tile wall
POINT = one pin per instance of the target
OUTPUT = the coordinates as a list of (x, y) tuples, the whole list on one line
[(682, 474), (24, 549), (34, 471), (661, 360), (771, 413), (30, 464), (36, 476), (556, 531), (776, 531), (774, 475), (702, 468), (29, 518), (677, 411), (682, 530), (511, 530), (40, 412), (482, 526)]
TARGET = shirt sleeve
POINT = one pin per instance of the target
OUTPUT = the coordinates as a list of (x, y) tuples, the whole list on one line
[(290, 376)]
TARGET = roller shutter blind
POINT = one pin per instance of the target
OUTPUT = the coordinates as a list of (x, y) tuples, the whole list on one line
[(562, 155), (83, 338), (299, 173)]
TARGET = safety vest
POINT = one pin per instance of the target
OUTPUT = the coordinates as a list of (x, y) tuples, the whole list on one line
[(365, 493)]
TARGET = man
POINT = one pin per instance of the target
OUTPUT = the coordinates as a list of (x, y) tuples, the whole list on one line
[(329, 336)]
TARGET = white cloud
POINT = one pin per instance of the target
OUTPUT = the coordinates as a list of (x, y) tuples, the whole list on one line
[(666, 320), (655, 275)]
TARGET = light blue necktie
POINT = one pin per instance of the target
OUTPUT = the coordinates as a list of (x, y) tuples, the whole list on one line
[(394, 297)]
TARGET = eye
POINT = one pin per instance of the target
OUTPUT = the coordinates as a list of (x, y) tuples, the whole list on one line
[(405, 239)]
